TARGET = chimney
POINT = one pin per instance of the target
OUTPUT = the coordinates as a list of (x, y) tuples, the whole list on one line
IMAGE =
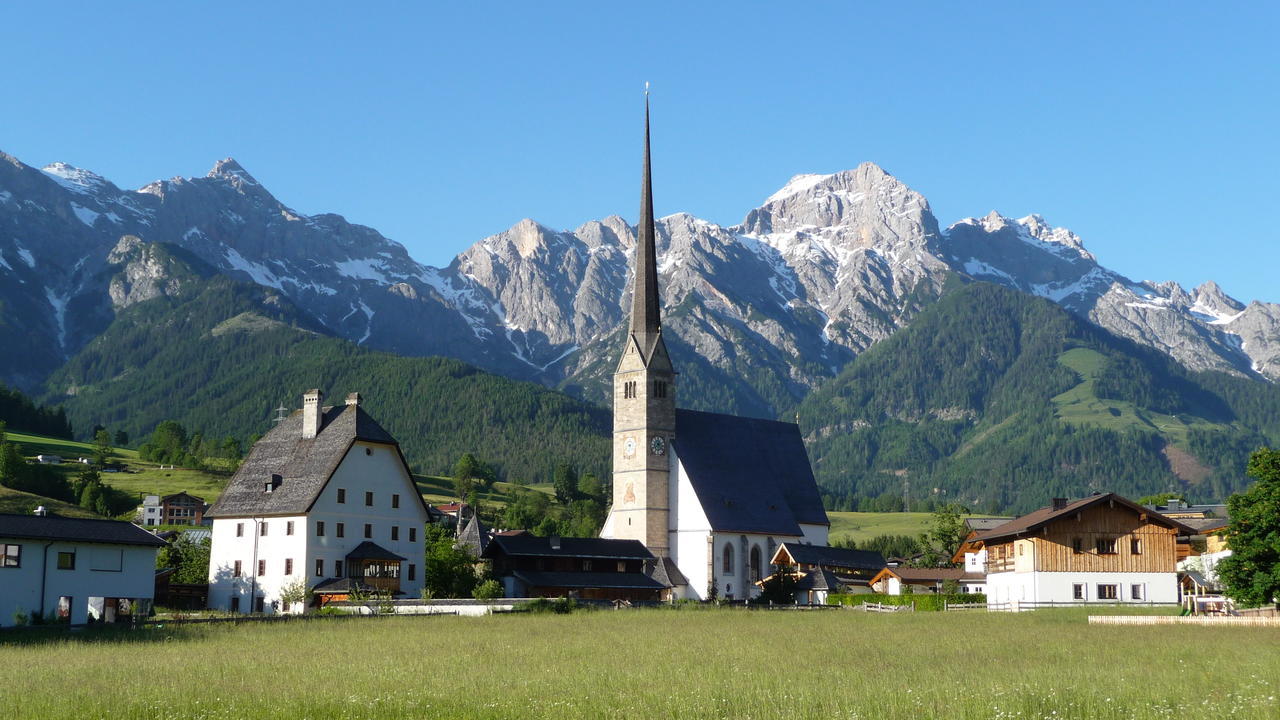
[(42, 511), (354, 399), (555, 542), (1059, 503), (311, 413)]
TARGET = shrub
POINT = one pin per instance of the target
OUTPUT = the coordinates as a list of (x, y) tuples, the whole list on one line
[(488, 590)]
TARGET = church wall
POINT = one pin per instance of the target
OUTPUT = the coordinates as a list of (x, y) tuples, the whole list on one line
[(690, 531), (815, 534)]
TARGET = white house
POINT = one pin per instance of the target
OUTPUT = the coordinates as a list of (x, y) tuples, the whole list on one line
[(327, 497), (1099, 549), (79, 570)]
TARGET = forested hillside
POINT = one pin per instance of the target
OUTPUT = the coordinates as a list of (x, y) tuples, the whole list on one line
[(19, 412), (999, 401), (221, 355)]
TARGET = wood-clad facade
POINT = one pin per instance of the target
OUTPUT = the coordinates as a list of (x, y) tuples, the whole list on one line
[(1103, 548), (1101, 538)]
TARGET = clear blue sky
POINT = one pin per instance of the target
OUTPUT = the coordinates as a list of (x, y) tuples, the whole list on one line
[(1149, 129)]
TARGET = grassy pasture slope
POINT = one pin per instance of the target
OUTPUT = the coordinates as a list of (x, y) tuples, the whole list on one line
[(865, 525), (1081, 405), (654, 664), (152, 480)]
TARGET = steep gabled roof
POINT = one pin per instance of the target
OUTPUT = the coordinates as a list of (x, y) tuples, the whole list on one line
[(750, 475), (66, 529), (474, 536), (368, 550), (831, 557), (1033, 521), (664, 570), (302, 465), (820, 579), (534, 546), (982, 524)]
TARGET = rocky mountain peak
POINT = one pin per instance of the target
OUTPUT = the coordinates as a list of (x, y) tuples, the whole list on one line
[(77, 180), (861, 203), (229, 168), (1211, 298)]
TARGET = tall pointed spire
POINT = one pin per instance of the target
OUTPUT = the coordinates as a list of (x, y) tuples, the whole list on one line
[(645, 317)]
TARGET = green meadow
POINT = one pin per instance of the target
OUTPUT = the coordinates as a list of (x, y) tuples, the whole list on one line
[(685, 663)]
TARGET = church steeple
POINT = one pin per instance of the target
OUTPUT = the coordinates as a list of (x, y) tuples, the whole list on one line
[(644, 399), (646, 320)]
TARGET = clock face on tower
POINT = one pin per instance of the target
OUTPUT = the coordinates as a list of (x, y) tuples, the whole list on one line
[(629, 447), (658, 445)]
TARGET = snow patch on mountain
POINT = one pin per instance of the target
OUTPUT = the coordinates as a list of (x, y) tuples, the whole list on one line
[(81, 182), (25, 254), (257, 271), (795, 186), (363, 269), (86, 216)]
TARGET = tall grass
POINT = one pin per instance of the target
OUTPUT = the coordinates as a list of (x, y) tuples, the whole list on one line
[(652, 664)]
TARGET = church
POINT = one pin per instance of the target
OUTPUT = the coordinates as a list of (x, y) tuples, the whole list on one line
[(711, 496)]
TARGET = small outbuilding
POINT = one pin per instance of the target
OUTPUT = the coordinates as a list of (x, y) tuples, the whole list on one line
[(588, 568)]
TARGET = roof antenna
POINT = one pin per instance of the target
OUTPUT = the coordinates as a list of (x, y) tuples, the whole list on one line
[(280, 413)]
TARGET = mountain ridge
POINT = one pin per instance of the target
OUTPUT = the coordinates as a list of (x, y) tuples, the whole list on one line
[(826, 267)]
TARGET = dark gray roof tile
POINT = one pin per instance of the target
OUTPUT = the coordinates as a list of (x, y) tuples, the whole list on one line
[(54, 527), (750, 475)]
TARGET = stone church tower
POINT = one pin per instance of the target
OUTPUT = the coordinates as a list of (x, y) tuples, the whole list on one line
[(644, 400)]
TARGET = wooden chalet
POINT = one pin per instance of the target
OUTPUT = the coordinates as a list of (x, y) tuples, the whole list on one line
[(1102, 548)]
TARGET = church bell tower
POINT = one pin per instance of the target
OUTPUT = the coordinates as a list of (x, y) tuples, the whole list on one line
[(644, 399)]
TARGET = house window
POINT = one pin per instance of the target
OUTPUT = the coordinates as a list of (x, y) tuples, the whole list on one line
[(1135, 592), (288, 527), (395, 501), (67, 560), (1019, 551), (236, 571), (342, 495), (1106, 546), (586, 566), (413, 534), (319, 528), (337, 568), (1107, 592), (622, 566), (262, 568), (413, 572), (340, 530), (319, 568), (239, 529), (1077, 591), (395, 532), (258, 605), (1135, 547), (262, 529), (728, 561), (235, 604), (368, 499), (1077, 545), (10, 556), (368, 530), (288, 566)]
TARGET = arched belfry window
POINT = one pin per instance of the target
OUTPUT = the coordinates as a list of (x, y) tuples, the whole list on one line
[(728, 559), (629, 389), (755, 563)]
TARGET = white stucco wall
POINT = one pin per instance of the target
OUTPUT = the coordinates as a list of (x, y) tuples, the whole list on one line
[(690, 530), (815, 534), (380, 471), (1058, 587), (20, 586), (976, 561)]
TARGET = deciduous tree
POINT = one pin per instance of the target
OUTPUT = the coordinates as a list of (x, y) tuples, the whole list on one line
[(1251, 574)]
